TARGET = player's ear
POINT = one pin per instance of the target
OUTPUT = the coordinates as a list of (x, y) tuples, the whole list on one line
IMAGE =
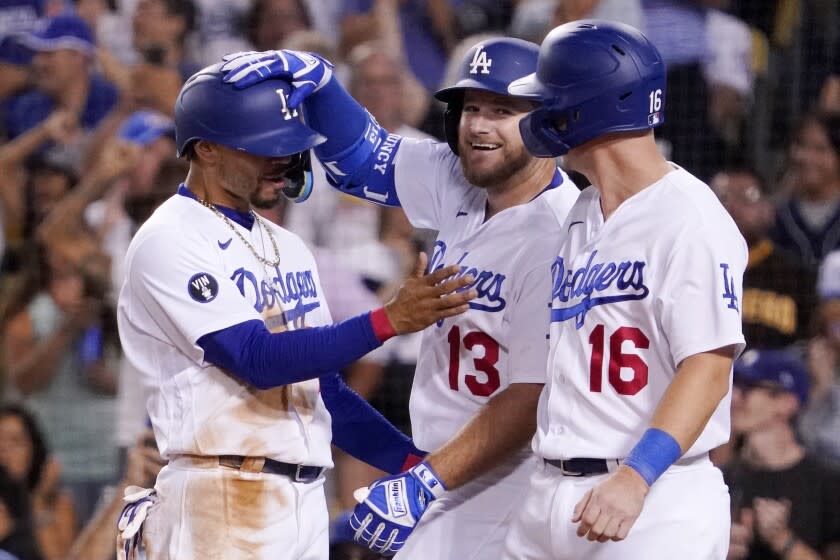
[(205, 151)]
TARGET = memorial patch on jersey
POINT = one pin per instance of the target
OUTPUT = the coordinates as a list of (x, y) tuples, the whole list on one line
[(623, 281), (203, 288)]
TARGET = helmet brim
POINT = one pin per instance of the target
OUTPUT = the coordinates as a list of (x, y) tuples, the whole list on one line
[(529, 87)]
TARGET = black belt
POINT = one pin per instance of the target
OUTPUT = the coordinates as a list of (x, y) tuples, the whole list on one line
[(582, 466), (298, 473)]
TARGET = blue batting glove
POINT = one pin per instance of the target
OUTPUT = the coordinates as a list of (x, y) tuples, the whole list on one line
[(306, 72), (389, 509)]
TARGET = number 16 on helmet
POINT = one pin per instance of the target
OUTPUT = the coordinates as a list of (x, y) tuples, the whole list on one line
[(593, 78)]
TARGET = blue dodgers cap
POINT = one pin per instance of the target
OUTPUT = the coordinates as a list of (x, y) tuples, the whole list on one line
[(775, 367), (144, 127), (66, 31)]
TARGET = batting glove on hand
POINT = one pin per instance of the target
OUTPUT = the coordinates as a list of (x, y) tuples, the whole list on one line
[(130, 524), (389, 509), (306, 72)]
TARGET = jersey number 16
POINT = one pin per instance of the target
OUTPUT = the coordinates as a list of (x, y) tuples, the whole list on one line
[(618, 360)]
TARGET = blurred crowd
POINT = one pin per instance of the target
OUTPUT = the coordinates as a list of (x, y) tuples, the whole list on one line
[(87, 92)]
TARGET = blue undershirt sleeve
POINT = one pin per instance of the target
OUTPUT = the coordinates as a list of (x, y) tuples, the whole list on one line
[(264, 359), (358, 156), (333, 112), (361, 431)]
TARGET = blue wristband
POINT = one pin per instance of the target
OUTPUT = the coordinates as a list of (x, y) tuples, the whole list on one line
[(655, 452)]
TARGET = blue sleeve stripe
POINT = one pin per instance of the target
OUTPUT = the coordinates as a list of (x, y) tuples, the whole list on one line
[(264, 359), (360, 430)]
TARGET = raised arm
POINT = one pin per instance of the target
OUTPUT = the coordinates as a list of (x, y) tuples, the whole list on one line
[(358, 155)]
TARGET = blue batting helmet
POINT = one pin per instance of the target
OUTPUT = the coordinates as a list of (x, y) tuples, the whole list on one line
[(593, 77), (490, 65), (255, 120)]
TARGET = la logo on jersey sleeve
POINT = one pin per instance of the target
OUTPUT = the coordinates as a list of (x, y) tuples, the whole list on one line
[(202, 287), (729, 294)]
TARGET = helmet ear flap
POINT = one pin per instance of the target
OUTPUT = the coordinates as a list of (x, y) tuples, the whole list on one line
[(298, 178), (452, 122)]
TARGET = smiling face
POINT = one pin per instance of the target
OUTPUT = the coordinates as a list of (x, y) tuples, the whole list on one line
[(489, 142)]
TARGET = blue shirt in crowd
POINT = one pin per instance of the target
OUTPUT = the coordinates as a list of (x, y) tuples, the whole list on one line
[(27, 110)]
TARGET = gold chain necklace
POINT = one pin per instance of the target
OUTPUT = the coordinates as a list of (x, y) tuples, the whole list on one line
[(259, 220)]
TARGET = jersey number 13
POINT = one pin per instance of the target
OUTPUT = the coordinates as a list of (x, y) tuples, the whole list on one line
[(485, 364)]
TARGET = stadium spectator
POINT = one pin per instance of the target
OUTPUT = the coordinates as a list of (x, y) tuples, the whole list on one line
[(820, 421), (220, 28), (808, 221), (63, 78), (160, 32), (58, 355), (778, 290), (271, 22), (784, 501), (19, 16), (377, 80), (161, 28), (30, 183), (111, 27), (17, 540), (426, 27), (25, 457), (708, 55)]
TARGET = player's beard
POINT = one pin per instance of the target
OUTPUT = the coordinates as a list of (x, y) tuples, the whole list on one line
[(264, 197), (508, 166)]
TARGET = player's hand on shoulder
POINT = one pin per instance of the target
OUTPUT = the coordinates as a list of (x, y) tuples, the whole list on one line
[(609, 510), (426, 299), (389, 508), (307, 72)]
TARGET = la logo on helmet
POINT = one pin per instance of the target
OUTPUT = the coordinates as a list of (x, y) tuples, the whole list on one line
[(480, 60), (288, 114)]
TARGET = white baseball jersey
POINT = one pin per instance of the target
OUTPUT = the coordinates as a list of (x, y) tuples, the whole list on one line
[(188, 274), (634, 296), (466, 360)]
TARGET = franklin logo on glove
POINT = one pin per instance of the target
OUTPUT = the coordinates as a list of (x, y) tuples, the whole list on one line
[(390, 508), (396, 503)]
